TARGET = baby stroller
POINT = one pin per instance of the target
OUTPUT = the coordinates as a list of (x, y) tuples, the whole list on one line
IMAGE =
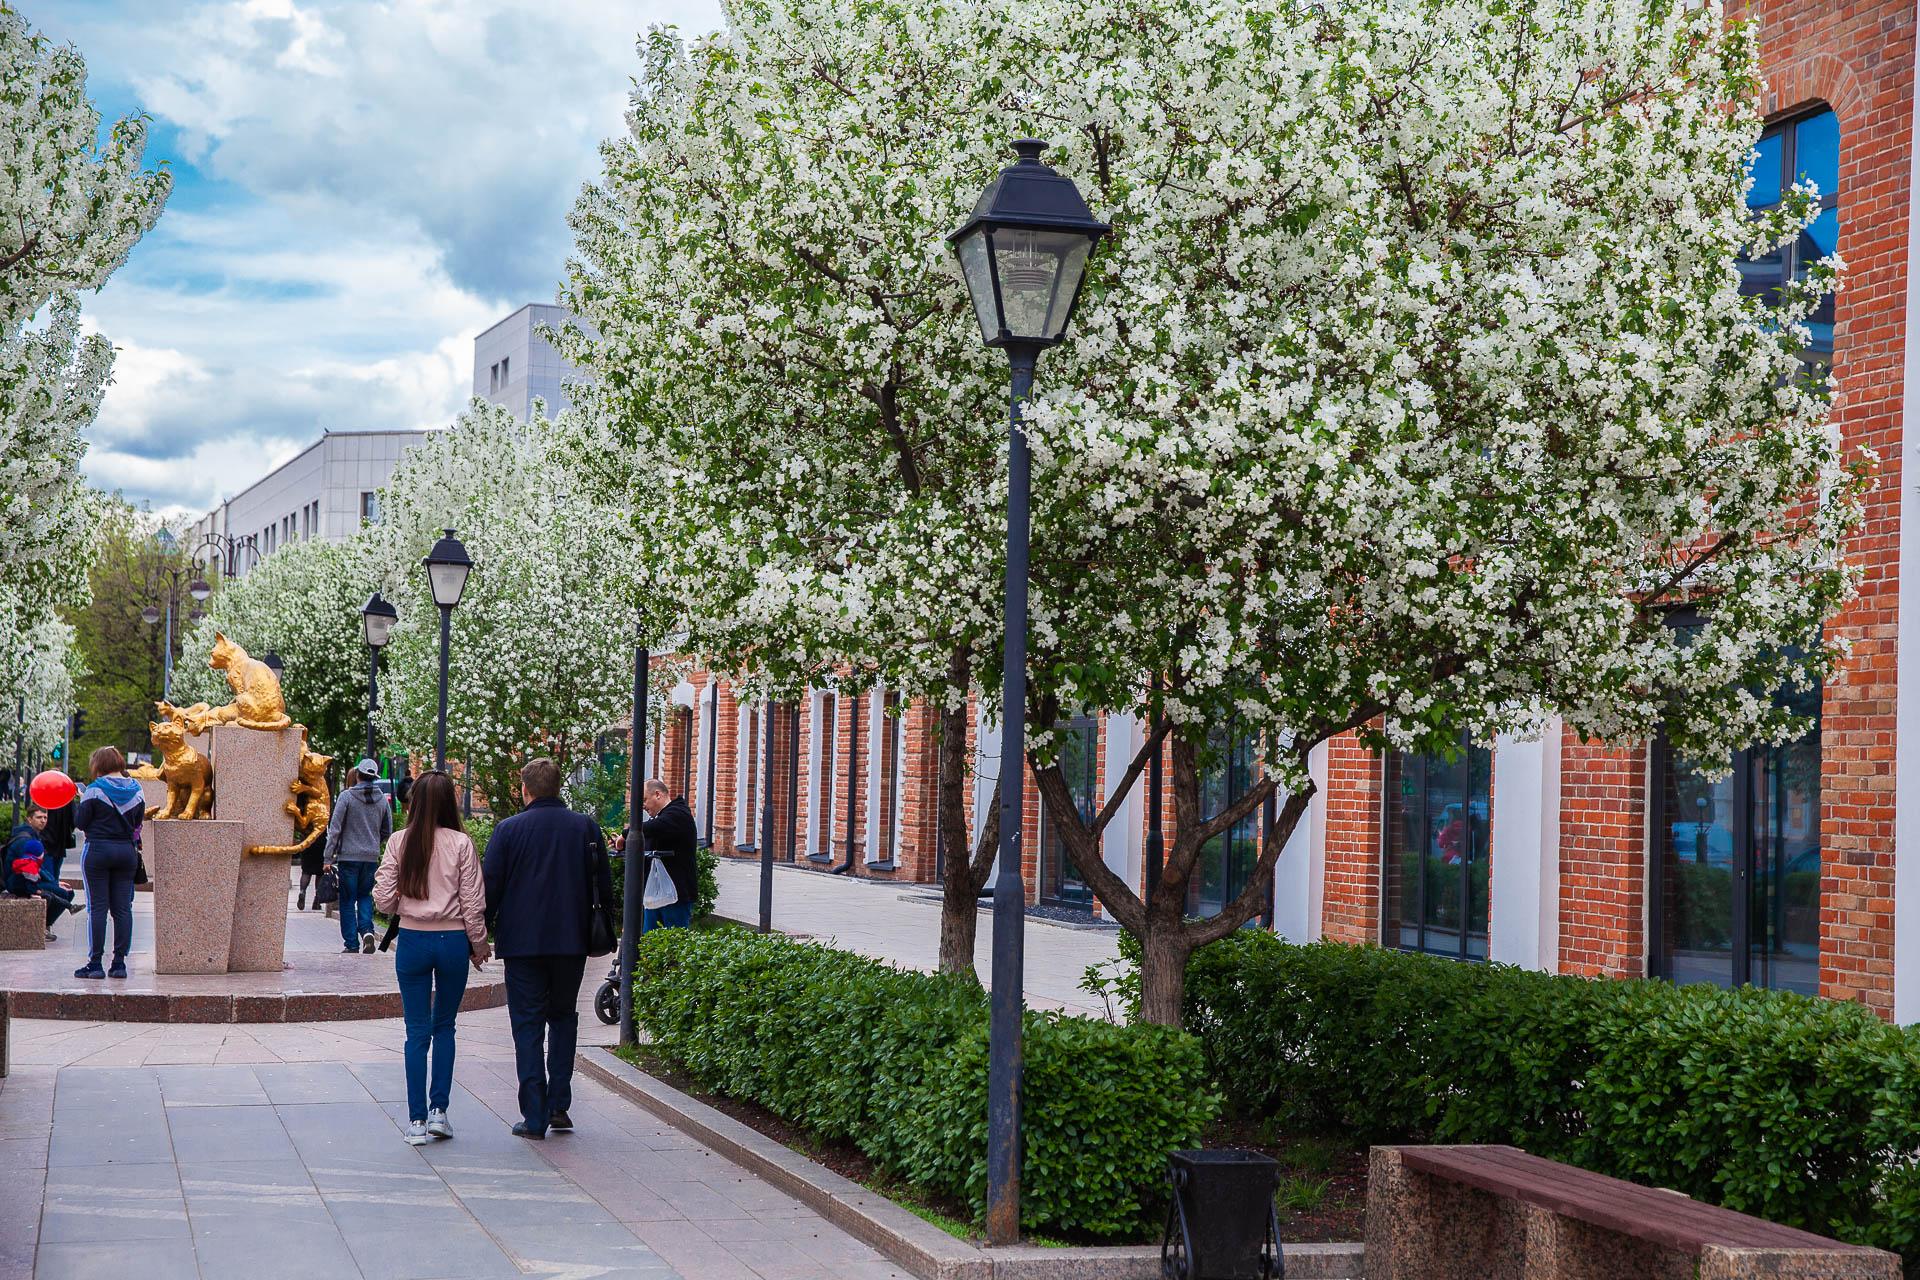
[(606, 1001)]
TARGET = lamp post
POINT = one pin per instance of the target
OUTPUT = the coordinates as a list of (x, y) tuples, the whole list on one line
[(199, 590), (1024, 255), (376, 623), (447, 568), (630, 882)]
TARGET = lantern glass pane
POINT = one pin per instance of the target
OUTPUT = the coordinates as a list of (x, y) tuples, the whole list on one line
[(1039, 272), (378, 625), (978, 270), (448, 581)]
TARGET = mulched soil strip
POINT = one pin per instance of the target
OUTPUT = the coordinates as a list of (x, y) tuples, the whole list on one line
[(1342, 1211)]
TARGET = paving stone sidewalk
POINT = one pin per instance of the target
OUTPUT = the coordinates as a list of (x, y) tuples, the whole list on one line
[(284, 1171), (902, 924)]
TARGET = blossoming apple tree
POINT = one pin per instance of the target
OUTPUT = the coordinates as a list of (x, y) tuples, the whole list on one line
[(1414, 393), (71, 207), (541, 661)]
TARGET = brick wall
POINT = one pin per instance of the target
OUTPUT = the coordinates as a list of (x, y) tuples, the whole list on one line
[(1350, 897), (1603, 867), (1857, 57)]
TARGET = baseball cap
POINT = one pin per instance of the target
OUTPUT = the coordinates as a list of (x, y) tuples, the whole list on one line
[(367, 768)]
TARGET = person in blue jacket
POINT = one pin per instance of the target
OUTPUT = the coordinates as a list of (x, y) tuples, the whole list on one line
[(110, 812), (27, 871)]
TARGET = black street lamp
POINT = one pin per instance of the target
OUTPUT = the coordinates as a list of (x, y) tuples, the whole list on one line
[(275, 663), (1024, 256), (447, 568), (376, 623), (631, 887), (198, 589)]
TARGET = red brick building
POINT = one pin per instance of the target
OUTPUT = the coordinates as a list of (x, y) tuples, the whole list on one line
[(1603, 859)]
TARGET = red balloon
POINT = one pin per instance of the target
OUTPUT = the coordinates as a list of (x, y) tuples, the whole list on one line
[(52, 789)]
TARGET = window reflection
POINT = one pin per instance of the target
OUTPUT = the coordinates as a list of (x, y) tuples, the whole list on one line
[(1437, 845)]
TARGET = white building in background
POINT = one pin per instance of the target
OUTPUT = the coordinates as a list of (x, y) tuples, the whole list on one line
[(327, 490), (513, 365)]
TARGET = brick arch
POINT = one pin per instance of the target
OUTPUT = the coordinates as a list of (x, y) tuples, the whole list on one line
[(1815, 78)]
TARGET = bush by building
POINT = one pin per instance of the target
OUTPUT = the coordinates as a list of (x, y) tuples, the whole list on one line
[(1796, 1109), (895, 1062)]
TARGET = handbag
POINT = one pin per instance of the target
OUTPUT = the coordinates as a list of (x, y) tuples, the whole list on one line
[(327, 889), (603, 935), (139, 867)]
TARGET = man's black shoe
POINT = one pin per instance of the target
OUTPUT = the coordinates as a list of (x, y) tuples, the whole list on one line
[(520, 1130), (559, 1120)]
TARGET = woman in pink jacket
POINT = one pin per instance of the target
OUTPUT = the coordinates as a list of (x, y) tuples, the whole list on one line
[(430, 880)]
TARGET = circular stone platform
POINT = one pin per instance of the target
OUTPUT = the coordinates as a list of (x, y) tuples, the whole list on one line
[(320, 984)]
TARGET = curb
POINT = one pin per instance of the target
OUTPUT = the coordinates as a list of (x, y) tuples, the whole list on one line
[(900, 1235)]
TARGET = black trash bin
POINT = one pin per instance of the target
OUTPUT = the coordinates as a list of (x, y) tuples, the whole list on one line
[(1221, 1224)]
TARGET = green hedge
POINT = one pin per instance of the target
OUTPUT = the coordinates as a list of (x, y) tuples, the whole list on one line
[(1801, 1110), (896, 1062)]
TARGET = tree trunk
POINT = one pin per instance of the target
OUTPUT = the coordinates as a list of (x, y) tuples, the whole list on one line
[(1163, 972), (966, 868)]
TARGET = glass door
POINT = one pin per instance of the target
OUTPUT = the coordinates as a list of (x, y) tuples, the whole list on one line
[(1436, 852), (1060, 882)]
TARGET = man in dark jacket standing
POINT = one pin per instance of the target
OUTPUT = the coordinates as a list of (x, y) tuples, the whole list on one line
[(672, 836), (544, 867)]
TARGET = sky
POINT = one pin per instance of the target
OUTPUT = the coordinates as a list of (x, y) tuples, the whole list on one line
[(360, 187)]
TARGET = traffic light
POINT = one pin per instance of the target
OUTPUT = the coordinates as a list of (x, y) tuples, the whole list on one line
[(59, 751), (79, 722)]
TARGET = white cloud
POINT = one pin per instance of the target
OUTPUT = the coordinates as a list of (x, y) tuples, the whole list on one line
[(365, 185)]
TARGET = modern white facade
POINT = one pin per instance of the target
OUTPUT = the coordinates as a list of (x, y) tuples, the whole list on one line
[(325, 491), (513, 365)]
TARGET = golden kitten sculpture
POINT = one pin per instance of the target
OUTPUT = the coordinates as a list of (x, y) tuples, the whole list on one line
[(257, 703), (188, 776), (312, 820)]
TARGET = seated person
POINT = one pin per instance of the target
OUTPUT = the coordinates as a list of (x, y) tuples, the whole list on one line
[(26, 873)]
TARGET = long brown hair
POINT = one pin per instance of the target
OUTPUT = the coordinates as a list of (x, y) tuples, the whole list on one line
[(431, 807)]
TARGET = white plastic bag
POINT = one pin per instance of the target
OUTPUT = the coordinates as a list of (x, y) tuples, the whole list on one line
[(660, 891)]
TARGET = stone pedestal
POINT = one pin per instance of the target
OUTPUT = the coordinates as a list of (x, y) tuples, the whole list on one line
[(253, 774), (259, 940), (23, 923), (193, 902)]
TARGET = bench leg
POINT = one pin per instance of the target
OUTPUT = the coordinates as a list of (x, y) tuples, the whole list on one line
[(1423, 1228)]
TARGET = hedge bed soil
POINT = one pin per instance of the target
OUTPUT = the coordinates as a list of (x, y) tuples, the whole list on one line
[(1323, 1180), (843, 1158)]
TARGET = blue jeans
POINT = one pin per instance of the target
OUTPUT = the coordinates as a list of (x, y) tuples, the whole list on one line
[(431, 965), (108, 866), (356, 899), (678, 915)]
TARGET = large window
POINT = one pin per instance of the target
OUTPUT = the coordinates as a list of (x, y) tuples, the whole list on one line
[(1805, 148), (891, 741), (827, 757), (1736, 883), (1060, 882), (1226, 862), (1436, 852)]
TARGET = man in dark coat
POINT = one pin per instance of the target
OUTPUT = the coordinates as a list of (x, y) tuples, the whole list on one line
[(671, 838), (544, 867)]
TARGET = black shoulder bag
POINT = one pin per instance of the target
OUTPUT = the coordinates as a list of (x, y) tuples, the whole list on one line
[(603, 934)]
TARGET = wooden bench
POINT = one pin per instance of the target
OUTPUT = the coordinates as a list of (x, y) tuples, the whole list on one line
[(1497, 1213), (23, 923)]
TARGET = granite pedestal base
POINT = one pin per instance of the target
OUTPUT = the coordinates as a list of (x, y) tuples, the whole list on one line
[(193, 900), (23, 923)]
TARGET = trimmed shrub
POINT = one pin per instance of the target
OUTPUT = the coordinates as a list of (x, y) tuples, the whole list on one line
[(1800, 1110), (896, 1063)]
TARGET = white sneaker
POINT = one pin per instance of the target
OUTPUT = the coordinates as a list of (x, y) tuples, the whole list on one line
[(437, 1124), (417, 1134)]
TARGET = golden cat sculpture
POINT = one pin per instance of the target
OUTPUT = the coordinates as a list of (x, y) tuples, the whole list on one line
[(312, 820), (188, 777), (257, 703)]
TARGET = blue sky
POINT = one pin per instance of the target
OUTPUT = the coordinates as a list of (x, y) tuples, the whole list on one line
[(361, 186)]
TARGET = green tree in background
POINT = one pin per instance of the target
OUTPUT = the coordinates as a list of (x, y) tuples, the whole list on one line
[(124, 656)]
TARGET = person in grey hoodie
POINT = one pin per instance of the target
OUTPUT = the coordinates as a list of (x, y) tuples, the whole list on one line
[(355, 840)]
